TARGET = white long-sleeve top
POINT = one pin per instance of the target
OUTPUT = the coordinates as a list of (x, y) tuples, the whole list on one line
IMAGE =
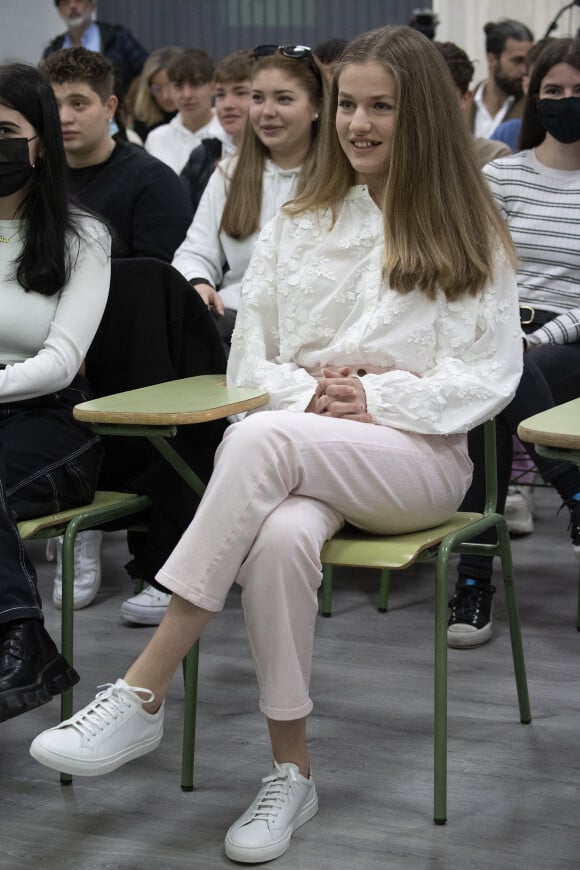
[(314, 295), (206, 252), (44, 339)]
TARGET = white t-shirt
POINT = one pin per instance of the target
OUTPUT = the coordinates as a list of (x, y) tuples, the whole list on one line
[(44, 339), (314, 295), (173, 142)]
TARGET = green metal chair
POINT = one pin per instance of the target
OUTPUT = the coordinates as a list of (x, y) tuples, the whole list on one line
[(106, 507), (355, 549)]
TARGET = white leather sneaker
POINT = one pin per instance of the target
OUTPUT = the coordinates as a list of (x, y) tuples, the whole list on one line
[(146, 608), (87, 569), (104, 735), (286, 800), (518, 511)]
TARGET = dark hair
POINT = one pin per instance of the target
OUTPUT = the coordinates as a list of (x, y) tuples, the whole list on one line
[(45, 262), (81, 65), (192, 65), (460, 67), (555, 51), (330, 51), (497, 34)]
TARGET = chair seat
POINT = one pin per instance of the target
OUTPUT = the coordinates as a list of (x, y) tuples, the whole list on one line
[(103, 499), (356, 549)]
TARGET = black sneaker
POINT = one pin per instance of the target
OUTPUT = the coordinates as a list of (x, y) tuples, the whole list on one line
[(470, 620), (574, 528)]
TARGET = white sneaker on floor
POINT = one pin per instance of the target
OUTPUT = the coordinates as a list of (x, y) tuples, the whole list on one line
[(104, 735), (87, 569), (286, 800), (146, 608), (518, 510)]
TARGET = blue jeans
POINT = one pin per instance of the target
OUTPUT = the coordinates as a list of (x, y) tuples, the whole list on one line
[(48, 462)]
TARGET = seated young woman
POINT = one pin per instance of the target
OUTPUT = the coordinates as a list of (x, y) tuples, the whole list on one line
[(380, 312), (54, 282)]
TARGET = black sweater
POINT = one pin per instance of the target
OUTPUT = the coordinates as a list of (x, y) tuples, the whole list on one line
[(142, 199)]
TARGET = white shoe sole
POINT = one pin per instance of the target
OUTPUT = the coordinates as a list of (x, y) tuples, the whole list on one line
[(260, 854), (464, 638), (78, 767), (142, 615)]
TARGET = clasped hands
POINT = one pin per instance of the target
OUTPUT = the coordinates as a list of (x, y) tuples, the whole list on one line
[(340, 395)]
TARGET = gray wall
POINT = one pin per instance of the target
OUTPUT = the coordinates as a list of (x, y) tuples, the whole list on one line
[(221, 26)]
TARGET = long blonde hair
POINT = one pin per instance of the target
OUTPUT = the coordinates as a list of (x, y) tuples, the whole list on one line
[(241, 215), (441, 222)]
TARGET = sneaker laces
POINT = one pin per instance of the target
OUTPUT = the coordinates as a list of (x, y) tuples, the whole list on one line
[(109, 705), (466, 602), (272, 796)]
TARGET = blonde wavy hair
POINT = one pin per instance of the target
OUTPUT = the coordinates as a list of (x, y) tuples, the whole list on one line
[(442, 227), (241, 215), (145, 107)]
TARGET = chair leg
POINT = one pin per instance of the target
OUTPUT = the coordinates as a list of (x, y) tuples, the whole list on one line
[(327, 590), (514, 621), (440, 690), (67, 628), (384, 590), (190, 674), (578, 607)]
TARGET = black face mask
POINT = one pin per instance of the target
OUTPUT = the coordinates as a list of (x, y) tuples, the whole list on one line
[(561, 118), (15, 167)]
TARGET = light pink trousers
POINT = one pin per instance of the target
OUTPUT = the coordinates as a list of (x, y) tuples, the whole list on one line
[(283, 483)]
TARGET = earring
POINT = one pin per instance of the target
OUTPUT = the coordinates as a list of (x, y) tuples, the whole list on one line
[(316, 117)]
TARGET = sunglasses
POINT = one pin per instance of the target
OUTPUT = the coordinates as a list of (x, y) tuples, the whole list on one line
[(295, 52)]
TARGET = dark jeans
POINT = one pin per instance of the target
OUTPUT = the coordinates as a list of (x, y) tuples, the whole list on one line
[(551, 376), (48, 462)]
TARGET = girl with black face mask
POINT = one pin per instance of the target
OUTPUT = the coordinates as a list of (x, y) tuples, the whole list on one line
[(54, 280), (538, 192)]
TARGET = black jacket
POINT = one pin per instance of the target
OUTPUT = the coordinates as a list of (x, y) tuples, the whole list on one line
[(118, 44), (199, 167), (155, 328)]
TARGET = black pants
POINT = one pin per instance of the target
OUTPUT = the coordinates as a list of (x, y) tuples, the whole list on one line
[(551, 376), (48, 462)]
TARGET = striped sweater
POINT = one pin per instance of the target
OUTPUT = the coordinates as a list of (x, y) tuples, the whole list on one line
[(542, 210)]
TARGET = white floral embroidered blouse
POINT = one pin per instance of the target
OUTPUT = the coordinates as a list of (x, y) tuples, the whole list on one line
[(314, 295)]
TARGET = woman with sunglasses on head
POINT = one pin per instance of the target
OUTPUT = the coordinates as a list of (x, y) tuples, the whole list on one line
[(276, 157), (538, 192), (380, 313), (54, 280)]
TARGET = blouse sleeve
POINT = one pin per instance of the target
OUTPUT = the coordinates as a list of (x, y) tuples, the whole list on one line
[(79, 310), (201, 254), (470, 380), (255, 343)]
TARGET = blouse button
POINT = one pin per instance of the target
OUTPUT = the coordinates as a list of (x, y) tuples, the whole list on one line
[(361, 372)]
